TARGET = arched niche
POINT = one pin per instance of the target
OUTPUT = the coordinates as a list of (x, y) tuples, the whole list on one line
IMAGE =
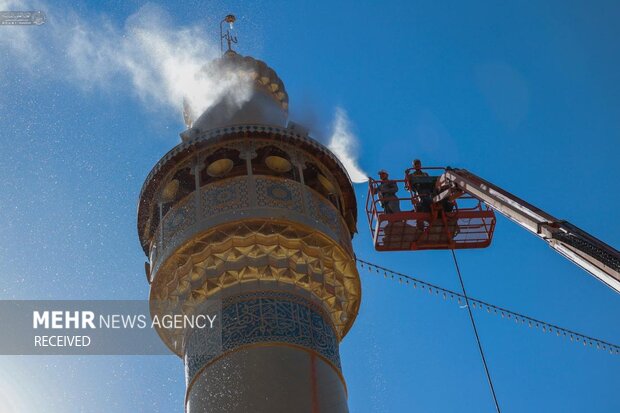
[(222, 164), (181, 184), (322, 183), (274, 161)]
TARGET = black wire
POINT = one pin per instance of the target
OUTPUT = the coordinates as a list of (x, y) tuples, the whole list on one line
[(490, 306), (473, 323)]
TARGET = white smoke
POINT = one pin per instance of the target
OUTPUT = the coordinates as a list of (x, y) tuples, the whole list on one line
[(163, 65), (344, 144)]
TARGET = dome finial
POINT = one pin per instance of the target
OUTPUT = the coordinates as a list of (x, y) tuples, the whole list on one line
[(230, 38)]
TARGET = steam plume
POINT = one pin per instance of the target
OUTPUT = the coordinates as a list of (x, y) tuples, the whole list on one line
[(344, 144), (163, 65)]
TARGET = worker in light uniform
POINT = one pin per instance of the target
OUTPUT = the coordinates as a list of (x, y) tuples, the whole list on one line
[(387, 193)]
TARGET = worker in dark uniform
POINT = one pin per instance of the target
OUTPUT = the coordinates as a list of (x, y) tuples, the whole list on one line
[(426, 191), (387, 193), (423, 190), (417, 166)]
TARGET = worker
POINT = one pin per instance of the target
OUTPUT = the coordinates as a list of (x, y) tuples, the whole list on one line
[(424, 190), (387, 193), (417, 166)]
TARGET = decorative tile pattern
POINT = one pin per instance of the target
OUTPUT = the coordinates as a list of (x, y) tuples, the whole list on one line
[(238, 197), (279, 194), (327, 214), (225, 196), (263, 250), (243, 138), (179, 218), (266, 317)]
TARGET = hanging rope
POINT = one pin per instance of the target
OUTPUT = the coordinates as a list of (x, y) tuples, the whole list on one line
[(519, 319), (473, 324)]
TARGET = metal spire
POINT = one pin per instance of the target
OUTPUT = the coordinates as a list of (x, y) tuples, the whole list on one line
[(230, 38)]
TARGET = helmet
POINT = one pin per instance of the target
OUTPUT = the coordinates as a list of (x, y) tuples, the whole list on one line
[(382, 171)]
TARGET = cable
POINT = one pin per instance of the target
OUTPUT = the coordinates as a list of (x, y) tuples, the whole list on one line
[(519, 318), (473, 324)]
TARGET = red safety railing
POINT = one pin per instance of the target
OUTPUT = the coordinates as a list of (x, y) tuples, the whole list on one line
[(417, 223)]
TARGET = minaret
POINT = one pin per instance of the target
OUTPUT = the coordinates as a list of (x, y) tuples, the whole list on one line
[(250, 212)]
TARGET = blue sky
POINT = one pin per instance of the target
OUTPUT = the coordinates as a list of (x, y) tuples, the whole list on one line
[(526, 95)]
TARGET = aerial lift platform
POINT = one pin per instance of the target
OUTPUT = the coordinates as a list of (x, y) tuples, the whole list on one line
[(454, 209)]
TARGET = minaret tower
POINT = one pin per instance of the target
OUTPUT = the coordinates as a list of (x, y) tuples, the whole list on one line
[(251, 212)]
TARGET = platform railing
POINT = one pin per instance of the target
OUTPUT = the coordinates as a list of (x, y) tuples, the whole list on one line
[(469, 224)]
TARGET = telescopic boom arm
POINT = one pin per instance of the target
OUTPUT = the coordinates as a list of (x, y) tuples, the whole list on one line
[(588, 252)]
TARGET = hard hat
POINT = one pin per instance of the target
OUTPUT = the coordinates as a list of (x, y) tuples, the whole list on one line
[(383, 171)]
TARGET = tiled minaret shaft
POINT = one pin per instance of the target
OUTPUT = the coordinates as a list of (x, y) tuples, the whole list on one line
[(251, 212)]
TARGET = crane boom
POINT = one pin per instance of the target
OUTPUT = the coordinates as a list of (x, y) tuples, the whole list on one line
[(588, 252)]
